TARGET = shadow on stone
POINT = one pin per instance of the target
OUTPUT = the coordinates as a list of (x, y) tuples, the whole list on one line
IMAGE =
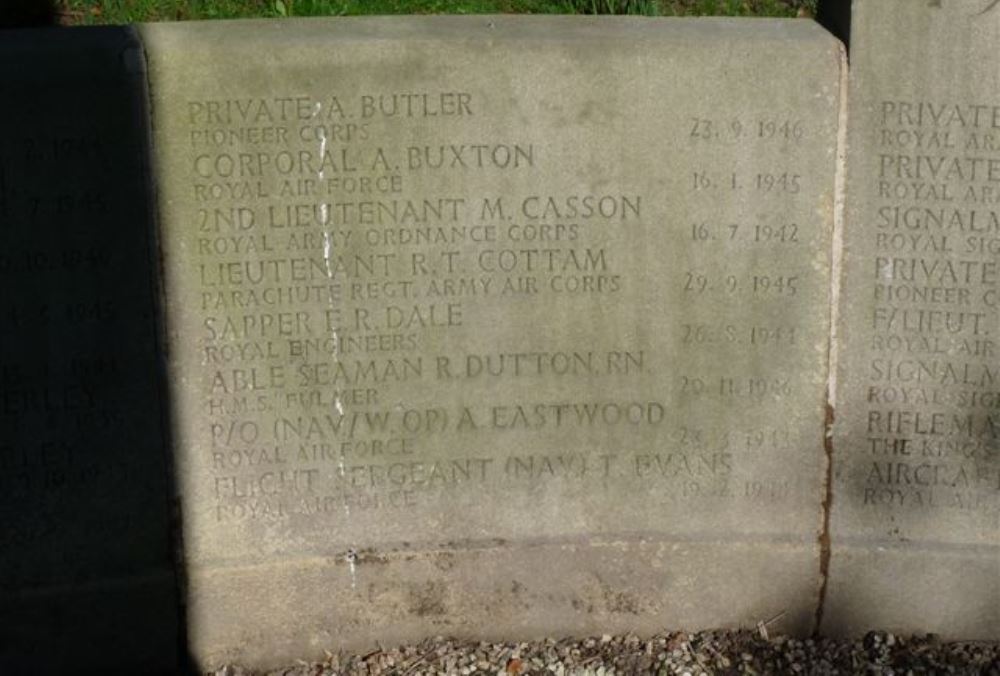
[(835, 15), (27, 13), (85, 493)]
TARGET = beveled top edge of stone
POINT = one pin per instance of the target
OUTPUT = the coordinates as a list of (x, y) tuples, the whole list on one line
[(501, 26)]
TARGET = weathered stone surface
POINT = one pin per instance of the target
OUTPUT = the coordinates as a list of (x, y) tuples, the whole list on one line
[(916, 509), (495, 326), (83, 483)]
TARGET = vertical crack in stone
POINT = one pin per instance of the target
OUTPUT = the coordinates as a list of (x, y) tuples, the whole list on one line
[(824, 536), (836, 265)]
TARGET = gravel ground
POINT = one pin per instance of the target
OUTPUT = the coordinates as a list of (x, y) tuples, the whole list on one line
[(711, 652)]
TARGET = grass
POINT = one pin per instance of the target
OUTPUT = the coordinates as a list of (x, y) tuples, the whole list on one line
[(86, 12)]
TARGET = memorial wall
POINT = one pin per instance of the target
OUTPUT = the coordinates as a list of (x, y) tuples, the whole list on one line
[(495, 324), (503, 327), (916, 509)]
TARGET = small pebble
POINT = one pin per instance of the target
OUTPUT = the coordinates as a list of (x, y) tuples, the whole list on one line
[(700, 654)]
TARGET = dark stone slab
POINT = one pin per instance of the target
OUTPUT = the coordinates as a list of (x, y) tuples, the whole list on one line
[(915, 528), (84, 486)]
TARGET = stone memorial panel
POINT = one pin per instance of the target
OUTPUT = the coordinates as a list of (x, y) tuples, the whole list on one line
[(86, 563), (495, 326), (916, 511)]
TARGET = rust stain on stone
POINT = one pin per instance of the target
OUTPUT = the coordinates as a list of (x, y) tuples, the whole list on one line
[(428, 599)]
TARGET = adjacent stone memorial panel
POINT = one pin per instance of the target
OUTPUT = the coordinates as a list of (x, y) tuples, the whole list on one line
[(495, 326), (916, 508), (86, 558)]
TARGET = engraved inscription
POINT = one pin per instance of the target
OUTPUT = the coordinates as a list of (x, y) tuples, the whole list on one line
[(933, 384), (325, 274), (401, 308)]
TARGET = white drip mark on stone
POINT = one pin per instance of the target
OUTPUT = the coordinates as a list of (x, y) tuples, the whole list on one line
[(322, 152), (351, 555), (327, 248), (352, 562)]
